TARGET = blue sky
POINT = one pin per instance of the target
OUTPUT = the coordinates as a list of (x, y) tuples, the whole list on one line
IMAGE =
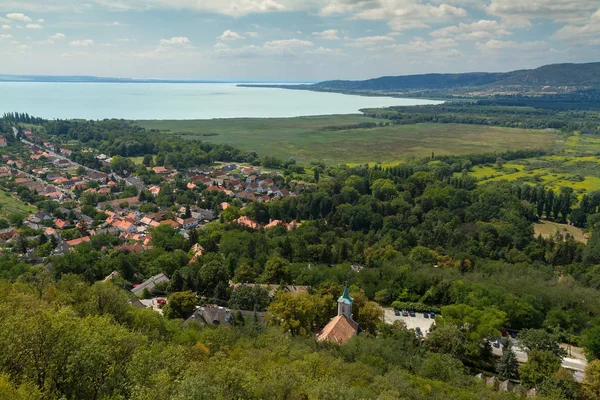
[(292, 40)]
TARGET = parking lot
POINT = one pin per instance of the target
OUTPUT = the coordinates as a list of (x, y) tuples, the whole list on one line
[(411, 322)]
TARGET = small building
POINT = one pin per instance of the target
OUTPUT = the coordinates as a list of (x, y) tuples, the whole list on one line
[(138, 290), (341, 328)]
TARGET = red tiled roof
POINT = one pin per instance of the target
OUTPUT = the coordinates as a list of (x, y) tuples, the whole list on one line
[(339, 330)]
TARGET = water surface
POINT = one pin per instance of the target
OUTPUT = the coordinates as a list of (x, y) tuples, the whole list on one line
[(177, 101)]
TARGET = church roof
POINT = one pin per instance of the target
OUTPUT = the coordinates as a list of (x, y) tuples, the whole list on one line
[(339, 330), (345, 298)]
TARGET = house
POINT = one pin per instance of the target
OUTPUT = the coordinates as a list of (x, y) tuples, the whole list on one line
[(60, 223), (174, 224), (273, 223), (7, 233), (155, 190), (76, 242), (3, 142), (247, 222), (161, 170), (138, 290), (191, 186), (341, 328), (124, 226), (188, 223), (44, 216), (55, 195), (219, 316)]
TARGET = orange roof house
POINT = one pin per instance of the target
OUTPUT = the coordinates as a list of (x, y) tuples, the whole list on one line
[(247, 222), (61, 223), (160, 170), (341, 328)]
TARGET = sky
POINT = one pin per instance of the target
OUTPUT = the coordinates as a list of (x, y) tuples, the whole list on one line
[(292, 40)]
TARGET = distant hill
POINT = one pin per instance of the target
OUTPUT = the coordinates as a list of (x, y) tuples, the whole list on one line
[(550, 79)]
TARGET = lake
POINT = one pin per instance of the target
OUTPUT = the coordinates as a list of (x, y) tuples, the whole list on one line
[(177, 101)]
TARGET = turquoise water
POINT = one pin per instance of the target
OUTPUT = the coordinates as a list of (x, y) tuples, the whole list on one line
[(177, 101)]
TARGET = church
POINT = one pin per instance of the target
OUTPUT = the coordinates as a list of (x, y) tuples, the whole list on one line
[(342, 327)]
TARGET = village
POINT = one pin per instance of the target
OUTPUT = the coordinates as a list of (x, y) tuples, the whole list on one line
[(48, 171)]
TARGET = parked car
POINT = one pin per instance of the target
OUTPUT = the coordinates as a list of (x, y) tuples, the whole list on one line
[(412, 313), (425, 315), (418, 330), (432, 315), (396, 312), (496, 344), (404, 313)]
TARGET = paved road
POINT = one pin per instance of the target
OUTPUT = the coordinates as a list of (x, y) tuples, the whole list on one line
[(60, 156)]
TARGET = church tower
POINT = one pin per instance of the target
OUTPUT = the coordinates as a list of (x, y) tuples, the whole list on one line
[(345, 304)]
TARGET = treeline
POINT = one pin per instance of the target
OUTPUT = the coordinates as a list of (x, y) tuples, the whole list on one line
[(23, 118), (123, 138), (494, 113), (360, 125)]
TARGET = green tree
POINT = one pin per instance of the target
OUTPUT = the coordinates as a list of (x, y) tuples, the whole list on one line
[(167, 237), (246, 297), (295, 313), (540, 366), (276, 271), (591, 380), (540, 339), (508, 366), (478, 325), (180, 305), (591, 340)]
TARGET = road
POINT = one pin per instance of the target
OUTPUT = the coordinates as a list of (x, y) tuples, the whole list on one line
[(59, 156)]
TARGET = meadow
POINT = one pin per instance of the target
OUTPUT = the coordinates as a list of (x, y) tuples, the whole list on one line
[(313, 139), (12, 205), (573, 167)]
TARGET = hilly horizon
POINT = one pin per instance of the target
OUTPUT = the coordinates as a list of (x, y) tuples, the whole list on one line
[(547, 79)]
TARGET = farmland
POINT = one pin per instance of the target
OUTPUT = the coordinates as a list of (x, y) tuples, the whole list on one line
[(338, 139)]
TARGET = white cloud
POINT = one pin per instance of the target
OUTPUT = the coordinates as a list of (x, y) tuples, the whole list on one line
[(18, 17), (400, 14), (235, 8), (230, 35), (175, 40), (590, 29), (495, 46), (41, 20), (371, 41), (251, 34), (324, 51), (523, 11), (272, 49), (286, 43), (479, 30), (6, 27), (5, 36), (420, 45), (56, 36), (329, 34), (34, 26), (82, 43)]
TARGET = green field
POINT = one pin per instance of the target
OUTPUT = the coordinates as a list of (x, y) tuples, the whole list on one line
[(12, 205), (304, 138), (574, 168)]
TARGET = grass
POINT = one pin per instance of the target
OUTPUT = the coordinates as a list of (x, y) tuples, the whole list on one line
[(304, 138), (549, 229), (9, 204)]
